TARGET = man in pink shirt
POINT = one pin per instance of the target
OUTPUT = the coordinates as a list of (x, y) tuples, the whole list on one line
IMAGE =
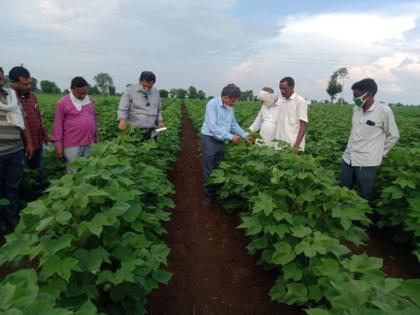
[(75, 124)]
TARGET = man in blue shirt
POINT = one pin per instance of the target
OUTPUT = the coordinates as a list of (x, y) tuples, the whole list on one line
[(219, 125)]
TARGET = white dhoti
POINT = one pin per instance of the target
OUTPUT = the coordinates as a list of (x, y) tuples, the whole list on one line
[(267, 132)]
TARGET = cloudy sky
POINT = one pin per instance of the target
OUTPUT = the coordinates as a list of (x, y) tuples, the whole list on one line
[(211, 43)]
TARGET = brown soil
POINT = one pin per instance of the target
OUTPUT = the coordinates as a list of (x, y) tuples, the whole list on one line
[(398, 261), (212, 271)]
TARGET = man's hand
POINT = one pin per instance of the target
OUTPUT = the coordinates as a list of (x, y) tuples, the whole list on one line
[(59, 153), (122, 124), (249, 140), (236, 139), (161, 124), (48, 139), (29, 150)]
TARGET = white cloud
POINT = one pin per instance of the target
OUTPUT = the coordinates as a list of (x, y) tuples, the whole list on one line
[(310, 47)]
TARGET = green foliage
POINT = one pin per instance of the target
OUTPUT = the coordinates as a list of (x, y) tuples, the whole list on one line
[(95, 235), (105, 83), (298, 218), (49, 87)]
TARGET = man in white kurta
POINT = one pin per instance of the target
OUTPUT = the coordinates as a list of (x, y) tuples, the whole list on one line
[(266, 121), (292, 121)]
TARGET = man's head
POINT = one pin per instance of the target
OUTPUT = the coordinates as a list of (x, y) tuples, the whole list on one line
[(287, 87), (147, 80), (230, 94), (20, 79), (364, 92), (79, 87), (267, 97)]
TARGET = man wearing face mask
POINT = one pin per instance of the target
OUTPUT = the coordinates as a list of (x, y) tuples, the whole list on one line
[(374, 132), (219, 126), (21, 82), (141, 106), (75, 123)]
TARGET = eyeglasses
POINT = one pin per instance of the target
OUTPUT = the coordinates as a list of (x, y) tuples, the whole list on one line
[(147, 99)]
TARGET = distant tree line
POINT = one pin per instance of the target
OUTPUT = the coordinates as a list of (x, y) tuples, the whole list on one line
[(104, 85)]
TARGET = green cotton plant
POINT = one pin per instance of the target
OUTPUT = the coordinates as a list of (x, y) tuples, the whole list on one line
[(274, 184), (95, 235), (399, 202), (20, 295), (357, 286), (299, 220)]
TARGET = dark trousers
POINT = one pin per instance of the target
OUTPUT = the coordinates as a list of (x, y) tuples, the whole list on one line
[(11, 172), (361, 176), (36, 161), (213, 152)]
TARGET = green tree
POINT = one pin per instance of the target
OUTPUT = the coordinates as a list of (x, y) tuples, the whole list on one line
[(247, 95), (49, 87), (192, 92), (34, 85), (201, 95), (93, 90), (173, 93), (163, 93), (181, 93), (104, 82), (334, 87)]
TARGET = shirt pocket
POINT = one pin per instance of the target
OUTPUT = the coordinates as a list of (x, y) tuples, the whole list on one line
[(367, 130)]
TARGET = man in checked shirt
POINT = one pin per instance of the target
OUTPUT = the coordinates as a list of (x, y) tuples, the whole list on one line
[(21, 82)]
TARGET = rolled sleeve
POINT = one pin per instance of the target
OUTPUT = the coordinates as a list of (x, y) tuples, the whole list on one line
[(303, 110)]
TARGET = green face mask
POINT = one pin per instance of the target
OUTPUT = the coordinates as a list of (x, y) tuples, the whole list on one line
[(359, 101)]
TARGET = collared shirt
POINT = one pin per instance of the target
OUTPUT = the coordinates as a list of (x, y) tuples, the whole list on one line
[(33, 117), (73, 127), (139, 109), (291, 112), (373, 134), (219, 121)]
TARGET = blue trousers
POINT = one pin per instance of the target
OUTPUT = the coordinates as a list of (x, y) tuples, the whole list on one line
[(362, 177), (213, 152)]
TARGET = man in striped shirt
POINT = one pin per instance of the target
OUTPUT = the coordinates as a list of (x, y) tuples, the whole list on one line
[(12, 132)]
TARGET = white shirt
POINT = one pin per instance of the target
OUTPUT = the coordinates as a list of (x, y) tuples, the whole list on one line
[(373, 134), (291, 112), (266, 114)]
